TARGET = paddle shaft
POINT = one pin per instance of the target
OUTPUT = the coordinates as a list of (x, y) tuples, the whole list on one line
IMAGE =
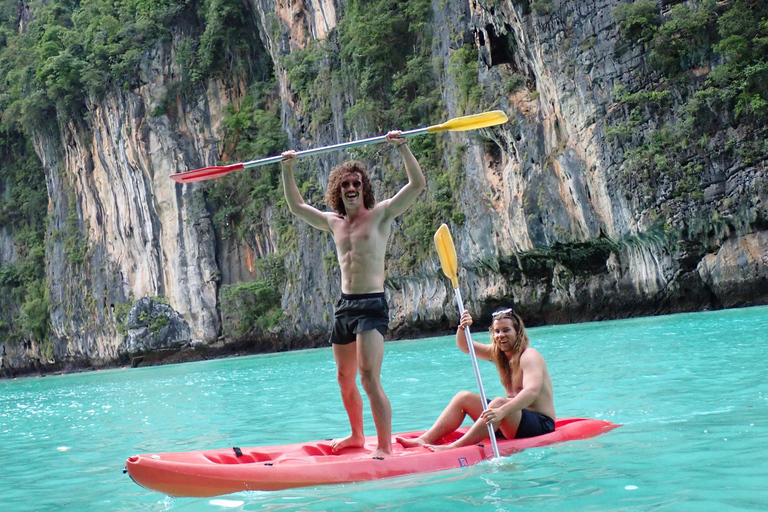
[(471, 346), (458, 124), (334, 147)]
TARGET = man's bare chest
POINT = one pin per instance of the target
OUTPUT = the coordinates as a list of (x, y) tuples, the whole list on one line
[(361, 235)]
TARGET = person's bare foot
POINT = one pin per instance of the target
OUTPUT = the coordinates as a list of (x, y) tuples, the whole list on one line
[(347, 442), (438, 447), (410, 442), (378, 453)]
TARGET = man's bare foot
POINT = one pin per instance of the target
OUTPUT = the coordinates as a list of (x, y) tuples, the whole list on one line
[(351, 441), (410, 442), (378, 453), (439, 447)]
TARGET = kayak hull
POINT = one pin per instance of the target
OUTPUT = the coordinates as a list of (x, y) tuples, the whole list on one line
[(271, 468)]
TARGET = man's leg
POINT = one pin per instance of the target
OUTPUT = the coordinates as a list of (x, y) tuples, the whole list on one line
[(510, 422), (479, 431), (346, 374), (465, 403), (370, 354)]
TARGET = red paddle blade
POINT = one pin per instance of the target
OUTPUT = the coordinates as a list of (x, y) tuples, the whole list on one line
[(205, 173)]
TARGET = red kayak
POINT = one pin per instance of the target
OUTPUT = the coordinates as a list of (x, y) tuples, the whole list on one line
[(271, 468)]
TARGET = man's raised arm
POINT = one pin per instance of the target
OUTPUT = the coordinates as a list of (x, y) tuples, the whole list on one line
[(407, 195), (296, 204)]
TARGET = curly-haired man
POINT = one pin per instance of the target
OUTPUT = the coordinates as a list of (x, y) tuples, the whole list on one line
[(361, 228)]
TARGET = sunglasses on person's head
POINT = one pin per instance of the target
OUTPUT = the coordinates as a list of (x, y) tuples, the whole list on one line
[(502, 313)]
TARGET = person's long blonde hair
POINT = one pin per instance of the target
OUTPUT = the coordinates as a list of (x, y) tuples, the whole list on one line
[(508, 367)]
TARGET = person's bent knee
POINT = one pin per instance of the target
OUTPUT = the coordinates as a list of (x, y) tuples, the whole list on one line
[(464, 396), (497, 402)]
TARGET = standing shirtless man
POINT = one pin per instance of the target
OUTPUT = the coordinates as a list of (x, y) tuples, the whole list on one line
[(360, 229)]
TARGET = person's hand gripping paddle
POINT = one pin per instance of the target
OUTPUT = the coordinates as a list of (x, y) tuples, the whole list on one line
[(449, 262)]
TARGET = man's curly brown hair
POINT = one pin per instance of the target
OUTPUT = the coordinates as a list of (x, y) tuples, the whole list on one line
[(333, 193)]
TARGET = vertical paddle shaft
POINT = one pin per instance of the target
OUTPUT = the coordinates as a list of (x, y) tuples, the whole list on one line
[(491, 432)]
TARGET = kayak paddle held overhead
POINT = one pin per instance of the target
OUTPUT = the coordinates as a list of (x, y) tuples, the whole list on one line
[(457, 124)]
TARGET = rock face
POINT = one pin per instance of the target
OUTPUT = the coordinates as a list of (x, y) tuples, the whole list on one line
[(549, 227), (154, 326), (738, 272), (144, 235)]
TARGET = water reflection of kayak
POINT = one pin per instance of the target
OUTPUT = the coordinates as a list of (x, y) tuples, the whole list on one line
[(271, 468)]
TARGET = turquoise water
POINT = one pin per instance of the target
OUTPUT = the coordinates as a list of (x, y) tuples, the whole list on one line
[(691, 391)]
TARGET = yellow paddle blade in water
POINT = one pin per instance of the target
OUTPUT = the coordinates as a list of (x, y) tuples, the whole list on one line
[(447, 253), (473, 122)]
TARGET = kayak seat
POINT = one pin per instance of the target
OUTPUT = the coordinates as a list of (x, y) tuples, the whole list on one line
[(319, 449), (245, 458)]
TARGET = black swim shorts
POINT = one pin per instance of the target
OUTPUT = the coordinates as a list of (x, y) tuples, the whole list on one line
[(534, 424), (359, 313)]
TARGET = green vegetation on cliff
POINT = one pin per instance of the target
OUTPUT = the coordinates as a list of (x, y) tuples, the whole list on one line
[(256, 303), (706, 102), (385, 62), (242, 201), (72, 52), (23, 291), (57, 59)]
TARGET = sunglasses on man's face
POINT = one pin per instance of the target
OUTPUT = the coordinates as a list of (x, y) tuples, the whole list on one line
[(355, 184), (502, 312)]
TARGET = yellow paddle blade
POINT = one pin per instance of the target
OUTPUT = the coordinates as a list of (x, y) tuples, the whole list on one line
[(473, 122), (447, 253)]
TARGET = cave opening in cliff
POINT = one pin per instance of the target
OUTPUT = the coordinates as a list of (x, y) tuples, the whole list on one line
[(493, 154), (502, 47)]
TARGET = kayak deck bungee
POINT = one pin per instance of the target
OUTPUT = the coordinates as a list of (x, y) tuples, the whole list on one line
[(270, 468)]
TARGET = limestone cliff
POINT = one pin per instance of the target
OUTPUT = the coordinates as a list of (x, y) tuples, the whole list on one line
[(551, 224)]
